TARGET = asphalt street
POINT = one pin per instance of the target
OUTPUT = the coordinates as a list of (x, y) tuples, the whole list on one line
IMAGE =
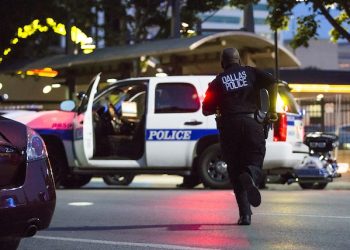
[(149, 216)]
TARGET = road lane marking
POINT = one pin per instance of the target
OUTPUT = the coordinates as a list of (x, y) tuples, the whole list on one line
[(80, 204), (305, 215), (120, 243)]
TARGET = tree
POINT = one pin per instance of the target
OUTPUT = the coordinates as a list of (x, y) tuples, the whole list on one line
[(307, 26), (20, 15), (134, 21), (125, 21)]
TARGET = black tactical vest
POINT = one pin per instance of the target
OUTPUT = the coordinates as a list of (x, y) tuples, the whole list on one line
[(239, 90)]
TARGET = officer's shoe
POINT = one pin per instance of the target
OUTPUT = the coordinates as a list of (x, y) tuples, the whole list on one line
[(253, 193), (244, 220)]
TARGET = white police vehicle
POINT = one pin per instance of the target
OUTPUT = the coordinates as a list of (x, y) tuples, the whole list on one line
[(153, 125)]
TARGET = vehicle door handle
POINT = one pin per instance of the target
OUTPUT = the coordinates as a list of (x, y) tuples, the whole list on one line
[(193, 123)]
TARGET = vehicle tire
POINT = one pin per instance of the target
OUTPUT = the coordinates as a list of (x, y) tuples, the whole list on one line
[(212, 169), (57, 160), (306, 185), (320, 185), (314, 185), (9, 243), (262, 184), (118, 180), (75, 180)]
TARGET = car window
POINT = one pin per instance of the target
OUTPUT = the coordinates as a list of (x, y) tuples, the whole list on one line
[(286, 101), (176, 98)]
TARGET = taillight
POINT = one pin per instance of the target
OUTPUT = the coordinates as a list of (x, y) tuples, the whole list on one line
[(280, 128), (36, 148)]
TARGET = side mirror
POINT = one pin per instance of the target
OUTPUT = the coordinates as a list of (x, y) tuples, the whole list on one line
[(264, 105), (81, 95), (4, 97), (67, 105)]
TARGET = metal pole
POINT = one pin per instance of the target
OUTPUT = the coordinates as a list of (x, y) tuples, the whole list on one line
[(175, 20), (248, 18), (322, 115), (277, 75)]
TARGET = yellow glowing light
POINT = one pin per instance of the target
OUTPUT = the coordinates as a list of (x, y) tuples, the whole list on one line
[(60, 29), (14, 40), (280, 105), (88, 46), (30, 72), (1, 59), (320, 88), (6, 51), (88, 51), (77, 35), (27, 28), (46, 72), (43, 29), (50, 21)]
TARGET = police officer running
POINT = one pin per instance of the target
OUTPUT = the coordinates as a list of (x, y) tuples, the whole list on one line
[(234, 97)]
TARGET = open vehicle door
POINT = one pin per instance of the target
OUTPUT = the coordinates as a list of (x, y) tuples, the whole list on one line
[(83, 125), (86, 138)]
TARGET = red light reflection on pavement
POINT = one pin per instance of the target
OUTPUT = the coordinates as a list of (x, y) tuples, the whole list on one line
[(204, 219), (211, 240)]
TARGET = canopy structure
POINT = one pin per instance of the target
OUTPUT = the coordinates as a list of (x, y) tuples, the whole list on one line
[(195, 55)]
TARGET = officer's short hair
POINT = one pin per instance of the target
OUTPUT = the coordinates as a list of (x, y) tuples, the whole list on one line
[(229, 56)]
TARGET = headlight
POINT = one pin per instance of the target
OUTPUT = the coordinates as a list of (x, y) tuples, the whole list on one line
[(36, 148), (281, 106)]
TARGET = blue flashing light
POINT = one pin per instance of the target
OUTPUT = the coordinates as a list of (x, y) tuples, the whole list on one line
[(10, 202)]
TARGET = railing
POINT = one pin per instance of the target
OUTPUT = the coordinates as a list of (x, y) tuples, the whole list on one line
[(328, 114)]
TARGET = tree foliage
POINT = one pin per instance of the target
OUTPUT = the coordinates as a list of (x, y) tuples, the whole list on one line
[(307, 26), (15, 14), (125, 21)]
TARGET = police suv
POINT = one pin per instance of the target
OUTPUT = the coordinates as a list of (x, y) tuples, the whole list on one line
[(152, 125)]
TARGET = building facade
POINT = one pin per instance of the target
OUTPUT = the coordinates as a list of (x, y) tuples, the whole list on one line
[(231, 18)]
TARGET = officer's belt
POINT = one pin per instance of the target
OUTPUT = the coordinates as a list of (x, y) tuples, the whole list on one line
[(250, 115)]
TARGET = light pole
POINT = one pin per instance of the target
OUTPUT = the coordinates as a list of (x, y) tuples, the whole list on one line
[(175, 20), (248, 18), (276, 56)]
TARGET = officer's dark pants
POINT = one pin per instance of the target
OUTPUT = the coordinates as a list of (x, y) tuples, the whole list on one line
[(243, 145)]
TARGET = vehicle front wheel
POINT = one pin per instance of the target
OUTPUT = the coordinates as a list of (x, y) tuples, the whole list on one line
[(118, 180), (321, 185), (58, 161), (75, 180), (212, 169), (313, 185), (306, 185)]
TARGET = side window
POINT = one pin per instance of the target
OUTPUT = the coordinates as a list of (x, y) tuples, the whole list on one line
[(176, 98)]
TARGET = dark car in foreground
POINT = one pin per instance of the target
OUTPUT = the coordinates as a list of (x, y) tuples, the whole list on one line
[(27, 190)]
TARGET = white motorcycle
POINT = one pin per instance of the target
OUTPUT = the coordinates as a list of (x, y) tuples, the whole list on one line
[(319, 168)]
